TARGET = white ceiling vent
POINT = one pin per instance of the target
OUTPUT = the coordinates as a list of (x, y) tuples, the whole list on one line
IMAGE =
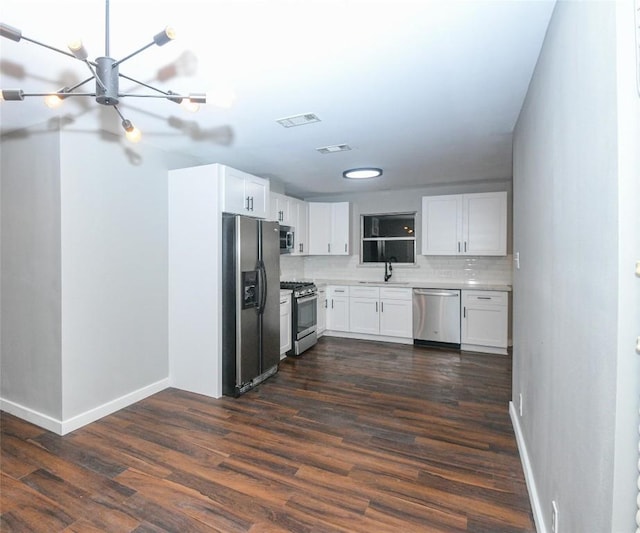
[(334, 148), (298, 120)]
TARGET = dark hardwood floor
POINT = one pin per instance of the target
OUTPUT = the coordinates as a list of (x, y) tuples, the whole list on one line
[(353, 436)]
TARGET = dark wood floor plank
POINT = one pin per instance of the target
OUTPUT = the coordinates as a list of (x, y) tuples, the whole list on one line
[(353, 436)]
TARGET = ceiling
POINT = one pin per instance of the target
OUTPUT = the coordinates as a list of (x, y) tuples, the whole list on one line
[(429, 91)]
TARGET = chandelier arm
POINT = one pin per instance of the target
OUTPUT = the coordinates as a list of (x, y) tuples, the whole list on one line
[(145, 85), (166, 96), (133, 54), (53, 48), (80, 84), (118, 111), (58, 94)]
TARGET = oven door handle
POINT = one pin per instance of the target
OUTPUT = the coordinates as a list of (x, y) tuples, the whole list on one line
[(306, 299)]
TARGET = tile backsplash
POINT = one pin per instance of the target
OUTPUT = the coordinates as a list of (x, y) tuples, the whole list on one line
[(427, 268)]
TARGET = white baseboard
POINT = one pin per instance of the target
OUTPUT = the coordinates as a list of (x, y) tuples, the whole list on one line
[(536, 507), (367, 337), (62, 427), (35, 417)]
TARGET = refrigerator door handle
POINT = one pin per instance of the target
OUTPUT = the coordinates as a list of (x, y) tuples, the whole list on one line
[(263, 287)]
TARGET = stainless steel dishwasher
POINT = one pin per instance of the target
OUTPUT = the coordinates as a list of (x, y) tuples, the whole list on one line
[(436, 316)]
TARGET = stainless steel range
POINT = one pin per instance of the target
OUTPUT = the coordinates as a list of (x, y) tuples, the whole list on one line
[(304, 315)]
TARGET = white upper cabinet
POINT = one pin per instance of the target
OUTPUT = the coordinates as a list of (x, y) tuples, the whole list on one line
[(465, 224), (244, 194), (281, 209), (329, 228), (301, 225)]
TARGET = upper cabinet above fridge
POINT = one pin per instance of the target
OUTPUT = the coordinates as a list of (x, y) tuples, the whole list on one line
[(244, 194), (465, 224)]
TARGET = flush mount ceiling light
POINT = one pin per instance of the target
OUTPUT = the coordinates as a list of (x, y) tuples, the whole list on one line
[(362, 173), (105, 70)]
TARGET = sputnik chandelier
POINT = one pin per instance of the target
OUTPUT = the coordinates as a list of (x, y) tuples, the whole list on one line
[(105, 70)]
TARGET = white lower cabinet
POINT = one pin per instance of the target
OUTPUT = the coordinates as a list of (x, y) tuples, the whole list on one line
[(338, 308), (285, 324), (364, 313), (396, 312), (383, 311), (485, 321)]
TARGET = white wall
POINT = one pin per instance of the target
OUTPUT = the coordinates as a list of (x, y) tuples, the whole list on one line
[(30, 359), (195, 229), (84, 300), (567, 203), (628, 371)]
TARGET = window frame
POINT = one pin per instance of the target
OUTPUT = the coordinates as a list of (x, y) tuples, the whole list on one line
[(363, 239)]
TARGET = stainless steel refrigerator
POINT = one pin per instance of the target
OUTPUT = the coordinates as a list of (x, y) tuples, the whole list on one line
[(250, 302)]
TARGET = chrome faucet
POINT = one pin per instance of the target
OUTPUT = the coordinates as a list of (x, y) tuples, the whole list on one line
[(387, 270)]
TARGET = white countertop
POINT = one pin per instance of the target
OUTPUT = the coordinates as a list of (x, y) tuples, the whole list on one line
[(440, 284)]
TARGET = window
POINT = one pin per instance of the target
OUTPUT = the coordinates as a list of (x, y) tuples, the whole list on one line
[(388, 237)]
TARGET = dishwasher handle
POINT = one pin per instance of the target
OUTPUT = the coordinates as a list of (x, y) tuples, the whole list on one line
[(427, 292)]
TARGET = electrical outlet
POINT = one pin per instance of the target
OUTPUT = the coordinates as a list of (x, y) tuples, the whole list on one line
[(554, 517)]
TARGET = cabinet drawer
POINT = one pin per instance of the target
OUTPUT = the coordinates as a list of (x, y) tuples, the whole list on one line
[(338, 290), (364, 292), (396, 293), (485, 297)]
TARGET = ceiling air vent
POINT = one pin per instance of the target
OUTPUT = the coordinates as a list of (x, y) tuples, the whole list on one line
[(334, 148), (298, 120)]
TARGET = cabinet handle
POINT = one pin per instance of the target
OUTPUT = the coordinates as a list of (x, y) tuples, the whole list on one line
[(325, 304), (281, 216), (376, 307), (484, 297), (331, 303), (345, 246), (464, 312), (382, 307), (465, 246), (458, 246), (248, 203), (329, 247), (251, 203)]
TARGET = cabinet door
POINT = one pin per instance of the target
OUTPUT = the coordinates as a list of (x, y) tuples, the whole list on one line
[(285, 324), (257, 190), (234, 198), (340, 228), (302, 228), (338, 313), (364, 315), (274, 214), (441, 225), (484, 225), (485, 318), (396, 318), (319, 228)]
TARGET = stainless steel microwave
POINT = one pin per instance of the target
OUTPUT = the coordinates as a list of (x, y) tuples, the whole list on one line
[(287, 239)]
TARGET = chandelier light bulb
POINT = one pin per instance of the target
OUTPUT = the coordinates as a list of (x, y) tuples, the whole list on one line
[(166, 35), (133, 134), (53, 101), (77, 49), (190, 106)]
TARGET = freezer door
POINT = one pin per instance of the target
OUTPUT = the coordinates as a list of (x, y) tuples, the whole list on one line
[(270, 248), (247, 287)]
